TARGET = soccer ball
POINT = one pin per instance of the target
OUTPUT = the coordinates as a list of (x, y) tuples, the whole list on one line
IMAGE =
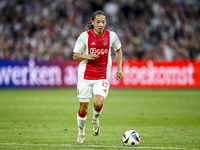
[(131, 138)]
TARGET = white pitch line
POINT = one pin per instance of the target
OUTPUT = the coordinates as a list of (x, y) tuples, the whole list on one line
[(102, 146)]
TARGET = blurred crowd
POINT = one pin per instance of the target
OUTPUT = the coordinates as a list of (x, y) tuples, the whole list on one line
[(46, 30)]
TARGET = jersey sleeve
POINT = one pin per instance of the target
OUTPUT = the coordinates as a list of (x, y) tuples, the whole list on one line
[(116, 44), (80, 44)]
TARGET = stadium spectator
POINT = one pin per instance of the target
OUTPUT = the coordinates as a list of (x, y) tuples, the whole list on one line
[(41, 26)]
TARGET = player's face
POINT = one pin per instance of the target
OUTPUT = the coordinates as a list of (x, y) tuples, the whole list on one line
[(99, 24)]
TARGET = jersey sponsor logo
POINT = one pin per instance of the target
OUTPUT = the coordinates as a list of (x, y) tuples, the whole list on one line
[(99, 51)]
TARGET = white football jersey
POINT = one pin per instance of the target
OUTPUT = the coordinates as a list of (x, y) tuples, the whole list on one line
[(89, 42)]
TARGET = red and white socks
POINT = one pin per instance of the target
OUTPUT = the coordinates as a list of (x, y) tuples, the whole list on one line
[(81, 120), (97, 112)]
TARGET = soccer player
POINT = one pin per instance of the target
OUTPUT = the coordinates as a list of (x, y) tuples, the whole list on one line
[(93, 49)]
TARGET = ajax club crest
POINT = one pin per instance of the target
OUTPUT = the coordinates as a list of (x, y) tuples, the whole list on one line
[(105, 42)]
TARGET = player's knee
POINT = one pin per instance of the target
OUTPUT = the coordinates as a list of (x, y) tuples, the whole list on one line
[(98, 101), (83, 109), (97, 104)]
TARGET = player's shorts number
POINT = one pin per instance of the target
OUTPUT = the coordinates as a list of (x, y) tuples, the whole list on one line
[(105, 84)]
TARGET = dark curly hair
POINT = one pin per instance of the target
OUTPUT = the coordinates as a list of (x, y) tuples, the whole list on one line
[(98, 12)]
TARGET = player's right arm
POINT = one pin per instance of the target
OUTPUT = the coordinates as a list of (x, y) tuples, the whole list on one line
[(80, 50), (78, 56)]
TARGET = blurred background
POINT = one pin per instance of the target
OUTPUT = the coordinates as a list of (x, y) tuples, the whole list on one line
[(149, 29), (161, 50), (160, 41)]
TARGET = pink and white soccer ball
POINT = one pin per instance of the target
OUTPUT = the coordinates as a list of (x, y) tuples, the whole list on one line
[(131, 138)]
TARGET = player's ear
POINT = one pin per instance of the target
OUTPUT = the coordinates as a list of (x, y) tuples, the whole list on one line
[(92, 22)]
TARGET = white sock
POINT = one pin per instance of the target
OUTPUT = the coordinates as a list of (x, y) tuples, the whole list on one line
[(81, 120), (97, 112)]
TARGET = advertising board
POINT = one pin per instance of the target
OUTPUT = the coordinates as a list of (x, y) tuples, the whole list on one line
[(137, 74)]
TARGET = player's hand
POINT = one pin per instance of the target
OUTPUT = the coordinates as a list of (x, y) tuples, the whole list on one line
[(92, 56), (119, 75)]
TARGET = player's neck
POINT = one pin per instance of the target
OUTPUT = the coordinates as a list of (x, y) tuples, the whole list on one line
[(97, 33)]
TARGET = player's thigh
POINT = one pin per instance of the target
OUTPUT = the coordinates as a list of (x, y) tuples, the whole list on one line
[(84, 89), (101, 87)]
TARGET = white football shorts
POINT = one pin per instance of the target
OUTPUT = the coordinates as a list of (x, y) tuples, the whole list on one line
[(85, 88)]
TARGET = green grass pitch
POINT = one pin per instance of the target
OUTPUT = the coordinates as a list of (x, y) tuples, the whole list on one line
[(45, 119)]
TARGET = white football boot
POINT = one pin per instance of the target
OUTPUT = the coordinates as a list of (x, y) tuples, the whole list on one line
[(95, 127), (80, 139)]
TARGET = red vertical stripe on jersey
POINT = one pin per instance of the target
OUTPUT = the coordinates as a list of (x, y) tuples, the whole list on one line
[(97, 69)]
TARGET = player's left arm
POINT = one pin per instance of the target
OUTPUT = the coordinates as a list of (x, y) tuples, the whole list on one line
[(119, 74)]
